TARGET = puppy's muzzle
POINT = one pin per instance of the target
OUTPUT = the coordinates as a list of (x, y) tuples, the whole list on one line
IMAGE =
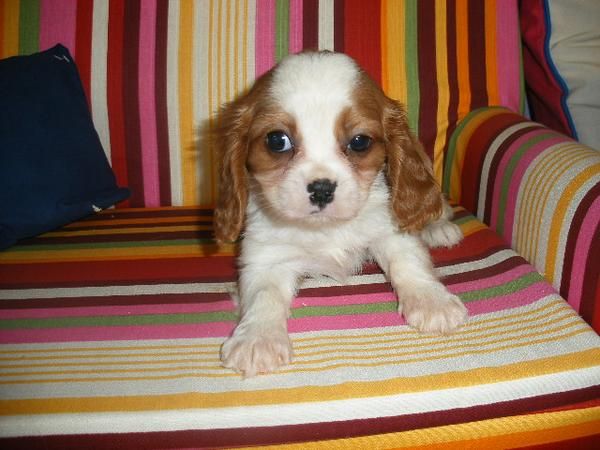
[(321, 192)]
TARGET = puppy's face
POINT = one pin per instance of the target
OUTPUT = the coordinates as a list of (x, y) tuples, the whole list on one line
[(310, 137), (314, 146)]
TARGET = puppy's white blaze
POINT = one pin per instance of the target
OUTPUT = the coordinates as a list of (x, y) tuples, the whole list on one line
[(314, 88)]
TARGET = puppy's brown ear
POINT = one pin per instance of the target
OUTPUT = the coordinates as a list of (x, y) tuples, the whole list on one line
[(230, 140), (416, 198)]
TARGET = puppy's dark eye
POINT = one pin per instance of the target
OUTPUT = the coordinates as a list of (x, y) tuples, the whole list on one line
[(278, 142), (359, 143)]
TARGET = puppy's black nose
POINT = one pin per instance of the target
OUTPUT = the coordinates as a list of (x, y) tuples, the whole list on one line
[(321, 192)]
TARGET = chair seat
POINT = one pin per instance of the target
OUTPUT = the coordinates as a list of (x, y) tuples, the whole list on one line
[(110, 331)]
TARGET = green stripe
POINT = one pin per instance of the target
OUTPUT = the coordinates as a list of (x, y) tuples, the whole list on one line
[(186, 319), (228, 316), (29, 27), (342, 310), (511, 287), (507, 179), (282, 29), (412, 65)]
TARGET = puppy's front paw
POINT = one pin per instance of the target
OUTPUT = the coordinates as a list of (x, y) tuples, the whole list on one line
[(433, 310), (441, 233), (250, 352)]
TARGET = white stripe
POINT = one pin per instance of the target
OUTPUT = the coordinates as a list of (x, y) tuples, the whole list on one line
[(189, 288), (326, 23), (489, 157), (298, 413), (99, 73), (173, 104)]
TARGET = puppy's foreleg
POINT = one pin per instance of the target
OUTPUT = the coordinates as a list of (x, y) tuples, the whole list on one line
[(423, 300), (260, 342)]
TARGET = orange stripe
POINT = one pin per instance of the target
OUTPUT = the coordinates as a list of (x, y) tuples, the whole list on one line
[(10, 24), (441, 56), (462, 54)]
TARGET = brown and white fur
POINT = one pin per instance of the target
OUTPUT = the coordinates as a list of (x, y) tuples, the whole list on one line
[(375, 198)]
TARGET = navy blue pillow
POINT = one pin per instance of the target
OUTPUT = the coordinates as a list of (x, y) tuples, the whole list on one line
[(52, 167)]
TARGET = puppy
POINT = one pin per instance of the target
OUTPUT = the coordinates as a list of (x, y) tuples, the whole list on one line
[(320, 172)]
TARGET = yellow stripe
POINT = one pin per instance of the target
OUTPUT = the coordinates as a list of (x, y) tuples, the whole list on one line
[(186, 110), (10, 38), (394, 75), (120, 254), (500, 433), (209, 361), (443, 89), (395, 386), (363, 351), (559, 216)]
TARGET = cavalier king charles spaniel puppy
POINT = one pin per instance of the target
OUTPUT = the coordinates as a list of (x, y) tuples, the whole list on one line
[(320, 172)]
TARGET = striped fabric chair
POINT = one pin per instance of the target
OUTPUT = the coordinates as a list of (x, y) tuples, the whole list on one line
[(110, 327)]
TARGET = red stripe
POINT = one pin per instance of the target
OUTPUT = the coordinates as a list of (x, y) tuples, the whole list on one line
[(478, 147), (164, 161), (427, 74), (133, 145), (115, 94), (338, 26), (310, 24), (84, 273), (363, 37), (477, 66), (494, 172), (83, 44)]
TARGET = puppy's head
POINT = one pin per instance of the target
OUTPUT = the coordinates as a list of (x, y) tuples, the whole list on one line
[(309, 138)]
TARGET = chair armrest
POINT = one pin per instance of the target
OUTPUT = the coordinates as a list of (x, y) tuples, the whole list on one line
[(539, 190)]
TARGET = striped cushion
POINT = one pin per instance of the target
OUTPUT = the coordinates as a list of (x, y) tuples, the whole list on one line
[(540, 191), (111, 327), (155, 71)]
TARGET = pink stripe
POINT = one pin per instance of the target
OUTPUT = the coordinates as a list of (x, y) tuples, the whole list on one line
[(146, 85), (504, 162), (509, 54), (493, 281), (517, 179), (265, 36), (296, 24), (58, 22), (582, 248), (527, 296), (221, 329)]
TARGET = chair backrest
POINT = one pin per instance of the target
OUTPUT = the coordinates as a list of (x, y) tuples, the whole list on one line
[(155, 71)]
